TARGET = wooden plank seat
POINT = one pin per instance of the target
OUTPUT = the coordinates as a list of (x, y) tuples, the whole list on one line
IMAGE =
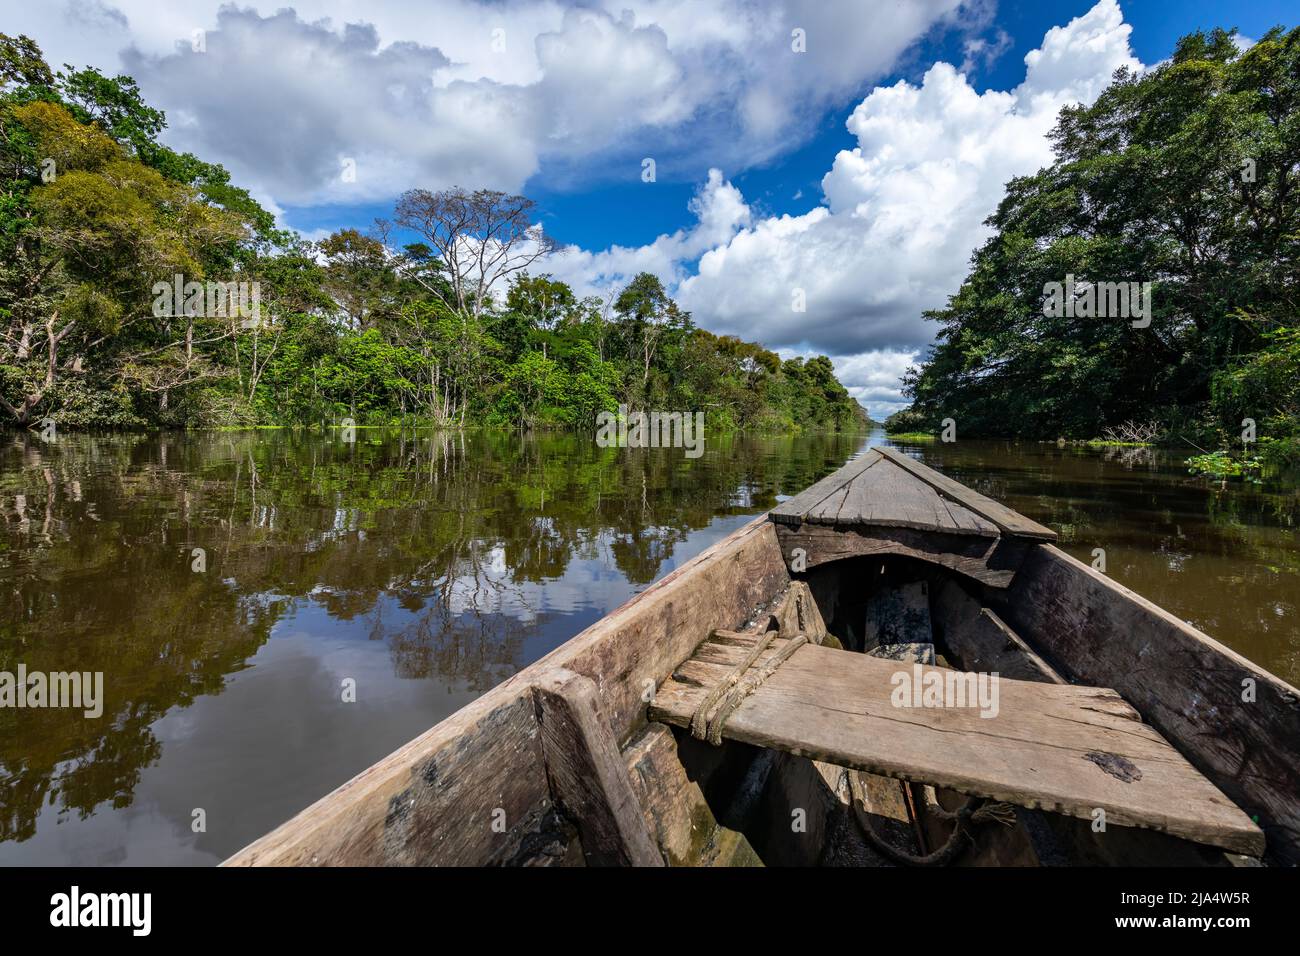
[(1069, 749)]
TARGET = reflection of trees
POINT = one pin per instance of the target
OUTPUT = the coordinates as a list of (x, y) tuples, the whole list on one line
[(100, 583), (1130, 457), (445, 528), (475, 649)]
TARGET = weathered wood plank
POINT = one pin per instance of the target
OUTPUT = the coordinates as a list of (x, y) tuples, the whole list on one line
[(433, 801), (798, 614), (670, 777), (796, 509), (982, 641), (1063, 748), (1187, 685), (890, 496), (589, 780), (893, 496), (637, 645), (966, 520), (884, 804), (675, 809), (828, 510), (992, 561), (1008, 521), (471, 791)]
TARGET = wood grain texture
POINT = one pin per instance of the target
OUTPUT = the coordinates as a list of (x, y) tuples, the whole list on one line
[(965, 520), (979, 640), (636, 646), (671, 778), (588, 778), (797, 613), (871, 490), (1186, 684), (1009, 522), (884, 803), (676, 812), (1059, 747), (992, 561), (434, 802), (887, 495), (796, 509), (890, 496), (829, 510)]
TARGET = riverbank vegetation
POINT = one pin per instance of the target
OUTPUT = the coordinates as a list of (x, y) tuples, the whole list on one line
[(457, 325), (1188, 177), (1221, 465)]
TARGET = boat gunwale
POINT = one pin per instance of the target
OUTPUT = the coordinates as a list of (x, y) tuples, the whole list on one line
[(577, 654), (609, 653)]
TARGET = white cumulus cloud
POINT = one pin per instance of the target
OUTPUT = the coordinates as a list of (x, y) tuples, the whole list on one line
[(719, 209), (903, 210), (484, 92)]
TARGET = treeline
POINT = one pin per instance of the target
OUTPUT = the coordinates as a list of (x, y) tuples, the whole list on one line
[(125, 265), (1188, 177)]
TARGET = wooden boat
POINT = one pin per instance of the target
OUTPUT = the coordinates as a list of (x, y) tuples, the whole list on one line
[(760, 705)]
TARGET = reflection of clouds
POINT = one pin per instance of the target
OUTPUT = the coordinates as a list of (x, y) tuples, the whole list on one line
[(138, 835), (485, 586), (591, 579), (282, 723), (426, 587), (596, 584)]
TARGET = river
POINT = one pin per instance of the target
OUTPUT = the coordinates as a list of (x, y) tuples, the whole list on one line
[(273, 611)]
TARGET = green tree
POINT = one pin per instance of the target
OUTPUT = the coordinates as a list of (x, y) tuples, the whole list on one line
[(650, 320), (88, 246), (1187, 177), (97, 215)]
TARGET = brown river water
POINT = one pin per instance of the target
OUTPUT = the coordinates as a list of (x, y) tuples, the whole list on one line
[(422, 568)]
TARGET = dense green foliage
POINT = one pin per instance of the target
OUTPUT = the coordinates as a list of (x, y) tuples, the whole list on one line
[(907, 421), (95, 212), (1188, 177), (1221, 465)]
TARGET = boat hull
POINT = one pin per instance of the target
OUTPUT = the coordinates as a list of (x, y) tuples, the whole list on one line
[(480, 788)]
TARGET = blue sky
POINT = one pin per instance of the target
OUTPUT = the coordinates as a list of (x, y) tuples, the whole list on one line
[(855, 172), (620, 210)]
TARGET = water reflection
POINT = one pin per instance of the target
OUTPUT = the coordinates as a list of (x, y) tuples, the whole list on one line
[(425, 567), (1223, 557), (428, 567)]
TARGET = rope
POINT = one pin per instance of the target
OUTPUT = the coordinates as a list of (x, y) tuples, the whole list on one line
[(974, 811), (989, 812), (704, 728), (699, 720), (738, 694)]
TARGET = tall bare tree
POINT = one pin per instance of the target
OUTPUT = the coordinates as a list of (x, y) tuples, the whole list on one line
[(481, 236)]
